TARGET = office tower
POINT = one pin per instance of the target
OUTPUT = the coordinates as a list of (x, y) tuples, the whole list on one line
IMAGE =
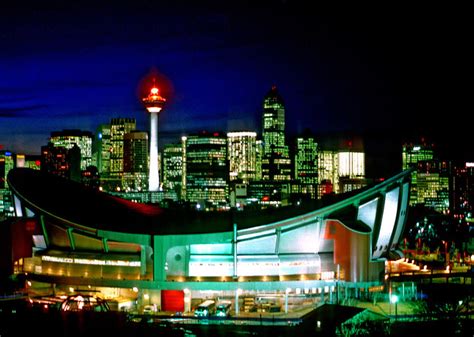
[(67, 138), (433, 184), (6, 203), (32, 161), (351, 171), (462, 195), (6, 164), (306, 165), (328, 172), (273, 123), (242, 153), (207, 169), (119, 127), (102, 149), (135, 161), (62, 161), (411, 155), (258, 159), (276, 163), (154, 103), (173, 169)]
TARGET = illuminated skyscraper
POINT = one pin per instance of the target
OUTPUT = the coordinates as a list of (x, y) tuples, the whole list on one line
[(119, 127), (433, 184), (276, 163), (341, 170), (173, 168), (6, 164), (411, 155), (306, 165), (102, 149), (462, 204), (135, 161), (242, 152), (62, 161), (67, 139), (207, 169), (328, 172), (154, 103), (273, 124)]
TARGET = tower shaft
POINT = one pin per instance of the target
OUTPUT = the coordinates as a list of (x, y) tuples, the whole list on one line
[(153, 177)]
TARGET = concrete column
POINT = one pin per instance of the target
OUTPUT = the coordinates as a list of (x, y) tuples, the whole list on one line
[(237, 294), (187, 300), (234, 251), (286, 299), (153, 175), (142, 260), (159, 259)]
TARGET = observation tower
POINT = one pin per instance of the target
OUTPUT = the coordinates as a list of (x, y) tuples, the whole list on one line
[(153, 103)]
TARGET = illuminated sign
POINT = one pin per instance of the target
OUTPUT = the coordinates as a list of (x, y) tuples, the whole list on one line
[(470, 164), (121, 263)]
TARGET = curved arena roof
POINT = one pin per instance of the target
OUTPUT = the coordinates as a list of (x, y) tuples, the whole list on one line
[(76, 205)]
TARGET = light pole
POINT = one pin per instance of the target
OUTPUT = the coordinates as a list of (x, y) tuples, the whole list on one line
[(394, 300), (446, 258)]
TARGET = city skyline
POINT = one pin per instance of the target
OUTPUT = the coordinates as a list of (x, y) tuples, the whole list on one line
[(78, 67)]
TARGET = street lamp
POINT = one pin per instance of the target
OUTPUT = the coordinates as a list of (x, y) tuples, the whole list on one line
[(446, 256), (394, 300)]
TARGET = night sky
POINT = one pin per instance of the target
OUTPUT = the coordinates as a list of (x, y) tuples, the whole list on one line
[(385, 72)]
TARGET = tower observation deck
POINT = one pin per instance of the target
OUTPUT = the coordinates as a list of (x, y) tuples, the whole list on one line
[(154, 104)]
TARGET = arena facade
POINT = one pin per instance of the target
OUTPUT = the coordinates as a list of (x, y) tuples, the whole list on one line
[(82, 239)]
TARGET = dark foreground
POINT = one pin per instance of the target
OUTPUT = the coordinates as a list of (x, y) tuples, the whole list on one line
[(117, 324)]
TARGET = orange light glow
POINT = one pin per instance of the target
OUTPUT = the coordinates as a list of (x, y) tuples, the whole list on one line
[(154, 91)]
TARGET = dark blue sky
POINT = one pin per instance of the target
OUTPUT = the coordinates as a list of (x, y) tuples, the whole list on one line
[(386, 72)]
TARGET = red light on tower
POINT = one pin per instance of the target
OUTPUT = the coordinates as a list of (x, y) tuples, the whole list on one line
[(154, 102)]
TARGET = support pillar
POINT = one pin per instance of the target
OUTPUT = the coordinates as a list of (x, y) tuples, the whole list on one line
[(187, 300), (237, 293), (286, 299), (234, 251)]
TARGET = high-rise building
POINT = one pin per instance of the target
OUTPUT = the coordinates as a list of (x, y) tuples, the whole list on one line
[(6, 202), (154, 103), (258, 159), (173, 169), (207, 169), (306, 165), (102, 149), (32, 161), (328, 172), (6, 164), (242, 153), (119, 127), (433, 184), (276, 163), (462, 203), (62, 161), (411, 155), (462, 198), (67, 139), (273, 123), (135, 161)]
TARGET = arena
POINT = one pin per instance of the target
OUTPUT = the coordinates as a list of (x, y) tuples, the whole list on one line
[(141, 255)]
